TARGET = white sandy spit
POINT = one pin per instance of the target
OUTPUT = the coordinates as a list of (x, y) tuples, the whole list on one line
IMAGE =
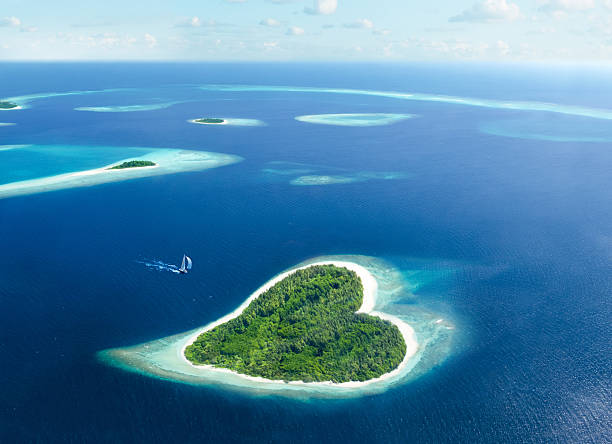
[(230, 121), (168, 161), (165, 358)]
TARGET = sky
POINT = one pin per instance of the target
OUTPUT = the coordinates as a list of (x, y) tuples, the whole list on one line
[(305, 30)]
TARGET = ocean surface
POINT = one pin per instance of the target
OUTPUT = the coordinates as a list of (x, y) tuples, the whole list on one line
[(500, 218)]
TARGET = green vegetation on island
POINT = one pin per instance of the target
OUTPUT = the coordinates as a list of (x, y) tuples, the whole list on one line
[(133, 164), (210, 120), (305, 328), (8, 105)]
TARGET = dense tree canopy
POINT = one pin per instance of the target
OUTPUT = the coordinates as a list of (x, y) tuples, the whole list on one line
[(305, 328), (8, 105), (210, 120), (133, 164)]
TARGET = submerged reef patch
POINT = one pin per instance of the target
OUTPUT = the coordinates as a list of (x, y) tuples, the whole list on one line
[(596, 113), (558, 128), (126, 108), (315, 180), (355, 119)]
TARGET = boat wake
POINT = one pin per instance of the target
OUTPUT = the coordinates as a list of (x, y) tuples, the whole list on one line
[(160, 266)]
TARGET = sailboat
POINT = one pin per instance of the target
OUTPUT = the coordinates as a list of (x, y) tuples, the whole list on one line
[(185, 265)]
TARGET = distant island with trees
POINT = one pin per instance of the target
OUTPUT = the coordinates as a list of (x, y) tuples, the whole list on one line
[(210, 120), (8, 105), (132, 164), (305, 328)]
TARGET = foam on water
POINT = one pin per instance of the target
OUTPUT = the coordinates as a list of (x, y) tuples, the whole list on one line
[(163, 358), (160, 266), (355, 119), (596, 113)]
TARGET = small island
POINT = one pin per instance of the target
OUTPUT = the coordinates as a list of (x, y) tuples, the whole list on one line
[(305, 328), (8, 105), (210, 121), (133, 164)]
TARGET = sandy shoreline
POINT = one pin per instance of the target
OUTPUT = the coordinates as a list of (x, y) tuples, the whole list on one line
[(168, 161), (230, 121), (208, 123), (370, 288), (163, 358)]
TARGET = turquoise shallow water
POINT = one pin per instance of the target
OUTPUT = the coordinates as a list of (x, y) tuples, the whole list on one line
[(34, 161)]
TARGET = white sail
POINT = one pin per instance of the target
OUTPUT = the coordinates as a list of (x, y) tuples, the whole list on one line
[(188, 262), (183, 264)]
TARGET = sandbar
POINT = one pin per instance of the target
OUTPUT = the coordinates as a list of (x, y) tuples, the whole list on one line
[(168, 161), (230, 121), (165, 358)]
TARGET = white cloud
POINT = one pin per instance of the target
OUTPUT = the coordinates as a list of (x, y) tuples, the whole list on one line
[(10, 21), (193, 22), (381, 32), (487, 11), (295, 30), (269, 22), (556, 6), (322, 7), (151, 40), (29, 29), (502, 47), (361, 23)]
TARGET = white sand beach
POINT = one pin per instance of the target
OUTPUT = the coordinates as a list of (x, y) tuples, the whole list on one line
[(369, 301), (165, 358), (168, 161), (229, 121)]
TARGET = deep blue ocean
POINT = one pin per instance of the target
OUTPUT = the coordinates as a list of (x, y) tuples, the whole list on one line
[(521, 216)]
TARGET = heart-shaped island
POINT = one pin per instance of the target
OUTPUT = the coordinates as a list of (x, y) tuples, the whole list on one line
[(309, 331), (305, 328)]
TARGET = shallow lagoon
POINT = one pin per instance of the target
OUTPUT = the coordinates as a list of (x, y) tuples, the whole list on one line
[(26, 162)]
